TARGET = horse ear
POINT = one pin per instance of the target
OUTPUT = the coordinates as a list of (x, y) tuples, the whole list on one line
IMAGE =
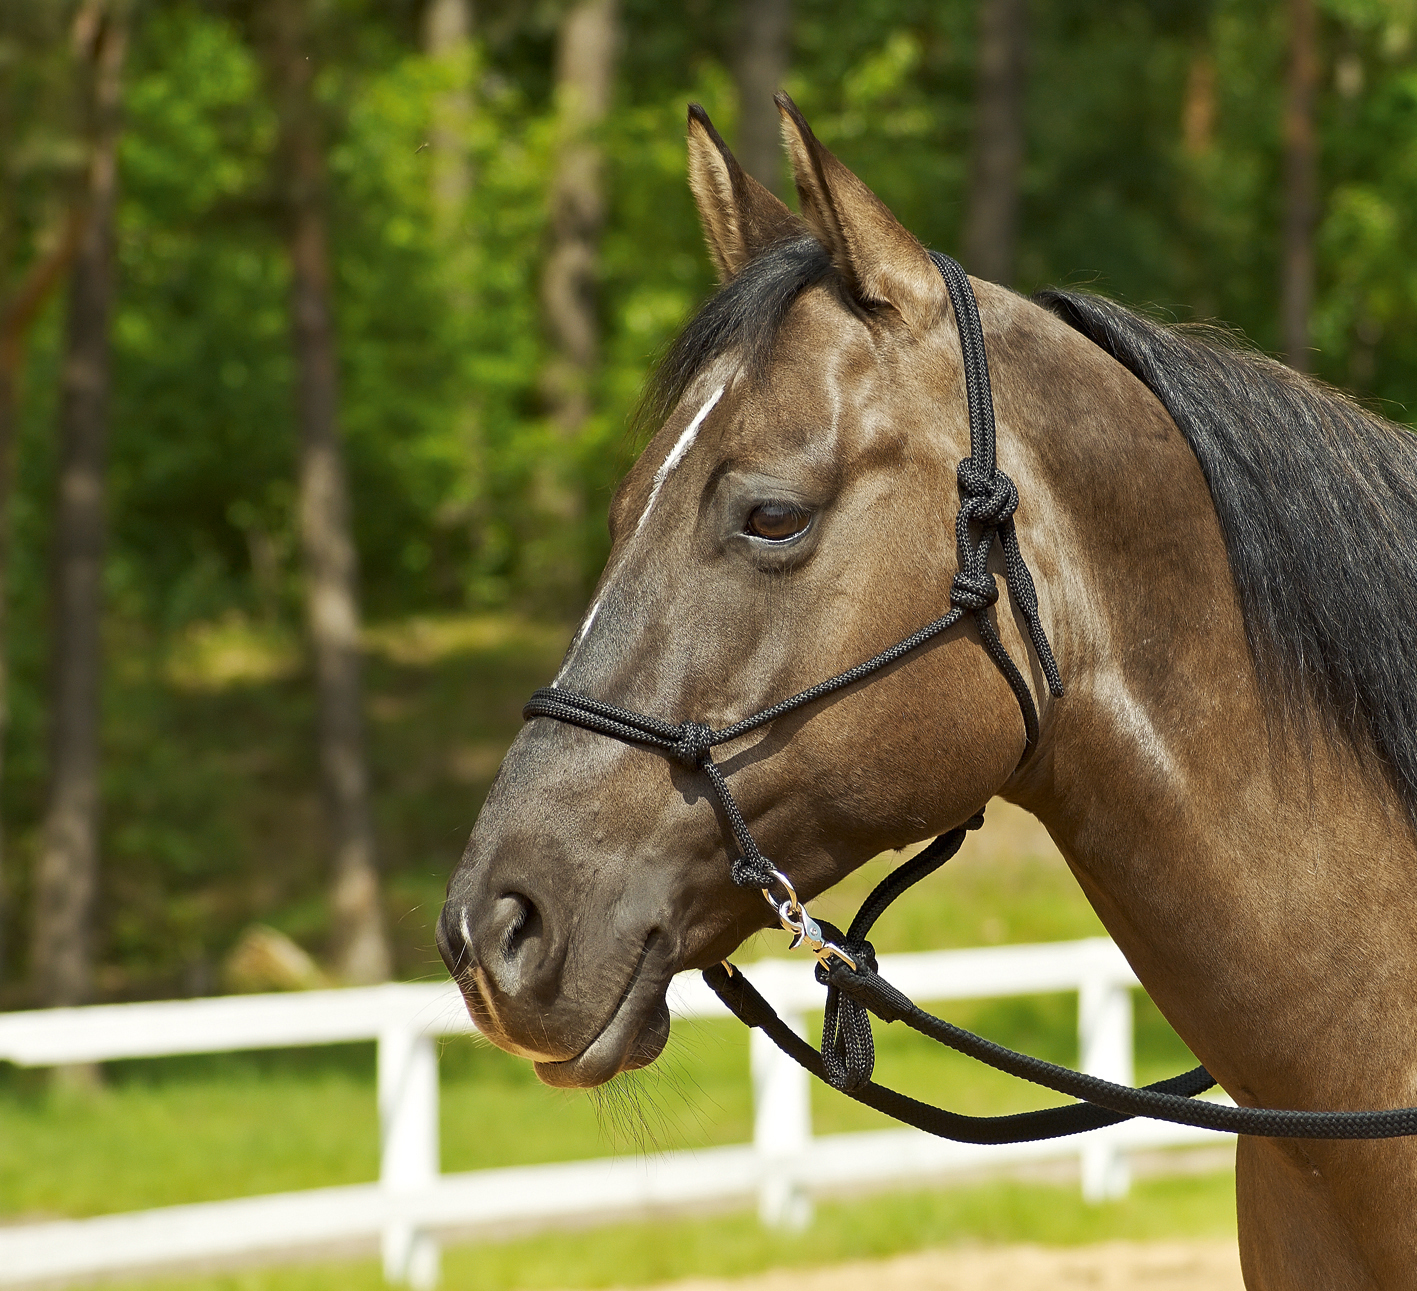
[(880, 262), (740, 217)]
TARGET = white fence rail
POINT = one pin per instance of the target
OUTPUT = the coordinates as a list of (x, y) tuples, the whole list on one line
[(412, 1201)]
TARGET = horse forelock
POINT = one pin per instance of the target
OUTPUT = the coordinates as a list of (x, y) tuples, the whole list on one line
[(1317, 502), (743, 316)]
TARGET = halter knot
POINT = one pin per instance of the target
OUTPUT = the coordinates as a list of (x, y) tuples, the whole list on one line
[(973, 591), (991, 497), (752, 870), (694, 743)]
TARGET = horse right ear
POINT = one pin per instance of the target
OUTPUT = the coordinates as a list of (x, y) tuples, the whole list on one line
[(740, 217), (878, 260)]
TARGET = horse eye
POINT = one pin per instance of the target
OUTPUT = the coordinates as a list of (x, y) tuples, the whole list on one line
[(777, 521)]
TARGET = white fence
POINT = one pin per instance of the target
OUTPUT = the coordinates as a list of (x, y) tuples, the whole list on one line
[(412, 1202)]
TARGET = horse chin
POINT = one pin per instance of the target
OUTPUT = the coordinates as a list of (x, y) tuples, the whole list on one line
[(634, 1037)]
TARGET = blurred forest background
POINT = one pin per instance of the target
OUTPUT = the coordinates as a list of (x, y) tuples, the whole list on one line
[(321, 326)]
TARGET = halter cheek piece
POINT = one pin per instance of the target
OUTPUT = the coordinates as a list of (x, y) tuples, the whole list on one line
[(846, 962)]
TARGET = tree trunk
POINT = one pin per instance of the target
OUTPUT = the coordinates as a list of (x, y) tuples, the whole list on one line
[(9, 379), (991, 218), (66, 878), (447, 40), (447, 32), (16, 315), (1301, 166), (585, 66), (760, 63), (1195, 201), (586, 48), (1198, 109), (359, 944)]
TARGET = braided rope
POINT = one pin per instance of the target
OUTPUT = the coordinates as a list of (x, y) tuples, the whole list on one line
[(744, 1002)]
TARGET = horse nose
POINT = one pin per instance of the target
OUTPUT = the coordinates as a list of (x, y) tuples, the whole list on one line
[(506, 937)]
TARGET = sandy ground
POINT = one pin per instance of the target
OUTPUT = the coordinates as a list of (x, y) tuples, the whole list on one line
[(1111, 1266)]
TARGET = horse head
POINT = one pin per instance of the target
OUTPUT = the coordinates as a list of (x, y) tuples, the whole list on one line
[(793, 515)]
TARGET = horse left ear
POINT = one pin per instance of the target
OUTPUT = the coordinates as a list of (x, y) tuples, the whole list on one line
[(879, 260), (740, 217)]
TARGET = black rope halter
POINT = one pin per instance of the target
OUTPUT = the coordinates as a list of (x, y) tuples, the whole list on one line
[(988, 501), (846, 961)]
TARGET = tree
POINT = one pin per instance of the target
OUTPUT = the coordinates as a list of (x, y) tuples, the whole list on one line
[(17, 313), (760, 61), (991, 218), (448, 42), (359, 947), (586, 47), (66, 879), (40, 222), (1301, 165), (447, 34)]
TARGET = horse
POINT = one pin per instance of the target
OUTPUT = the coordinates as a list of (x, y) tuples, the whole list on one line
[(1224, 554)]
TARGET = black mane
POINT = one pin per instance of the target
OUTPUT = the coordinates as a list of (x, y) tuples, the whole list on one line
[(1317, 500)]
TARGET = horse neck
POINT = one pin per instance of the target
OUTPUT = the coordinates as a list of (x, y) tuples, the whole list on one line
[(1258, 878)]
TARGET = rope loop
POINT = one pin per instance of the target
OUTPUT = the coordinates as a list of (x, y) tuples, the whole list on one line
[(848, 1047), (694, 744)]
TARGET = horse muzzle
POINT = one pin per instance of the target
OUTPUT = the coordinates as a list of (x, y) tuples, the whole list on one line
[(582, 996)]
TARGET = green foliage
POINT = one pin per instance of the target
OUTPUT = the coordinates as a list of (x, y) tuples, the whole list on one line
[(440, 337), (1152, 171)]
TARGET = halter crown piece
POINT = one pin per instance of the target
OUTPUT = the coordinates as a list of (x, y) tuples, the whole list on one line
[(846, 962)]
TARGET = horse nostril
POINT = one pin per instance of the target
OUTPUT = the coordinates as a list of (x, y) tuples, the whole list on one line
[(518, 924)]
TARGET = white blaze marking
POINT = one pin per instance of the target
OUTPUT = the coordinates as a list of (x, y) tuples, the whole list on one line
[(677, 454), (576, 644)]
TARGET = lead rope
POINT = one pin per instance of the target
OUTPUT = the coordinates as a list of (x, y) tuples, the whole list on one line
[(846, 962)]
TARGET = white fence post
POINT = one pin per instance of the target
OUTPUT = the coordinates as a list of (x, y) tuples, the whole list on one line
[(1105, 1049), (408, 1157), (782, 1130)]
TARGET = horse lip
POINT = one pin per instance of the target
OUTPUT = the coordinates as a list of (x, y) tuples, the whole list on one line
[(607, 1053), (479, 1003)]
